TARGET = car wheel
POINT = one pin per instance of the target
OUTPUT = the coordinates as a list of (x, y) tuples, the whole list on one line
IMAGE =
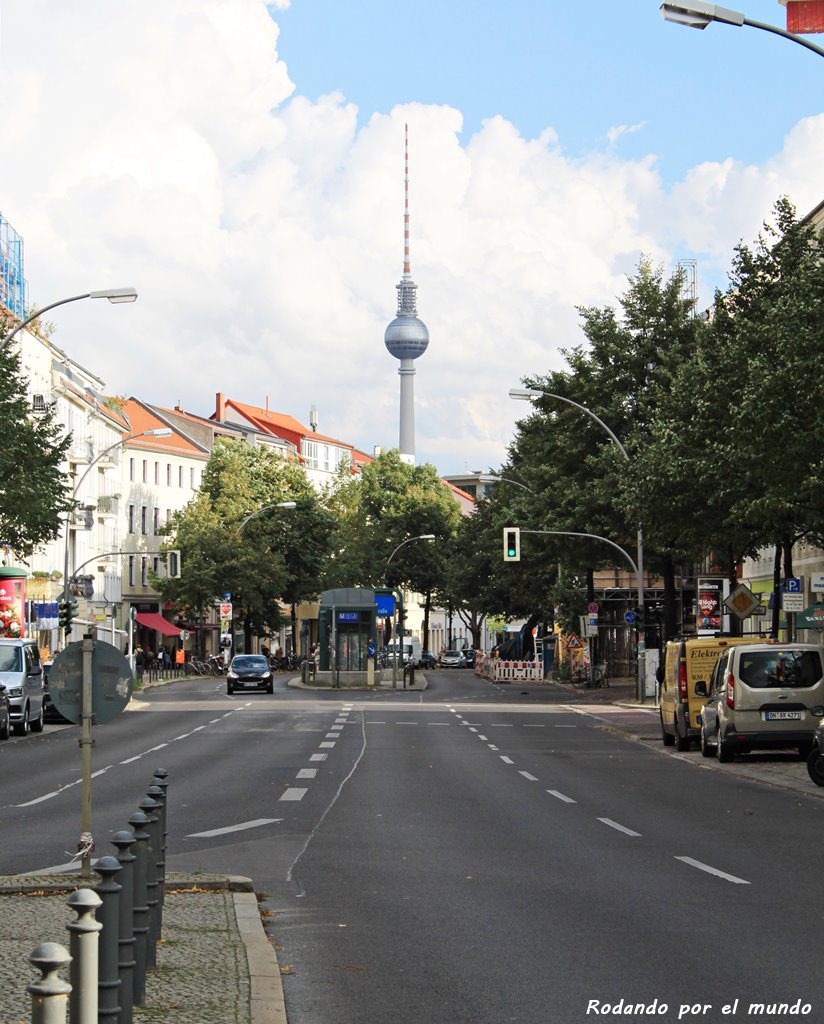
[(682, 743), (5, 732), (815, 766), (230, 689), (706, 749), (21, 728), (270, 688), (804, 750), (722, 749), (37, 723), (668, 738)]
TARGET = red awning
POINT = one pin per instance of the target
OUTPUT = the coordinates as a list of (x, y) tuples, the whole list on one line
[(154, 620)]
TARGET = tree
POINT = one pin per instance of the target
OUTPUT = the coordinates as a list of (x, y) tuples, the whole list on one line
[(36, 492)]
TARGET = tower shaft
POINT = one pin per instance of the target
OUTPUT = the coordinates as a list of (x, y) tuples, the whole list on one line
[(406, 372)]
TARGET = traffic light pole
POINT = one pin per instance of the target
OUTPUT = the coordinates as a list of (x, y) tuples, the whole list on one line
[(86, 841)]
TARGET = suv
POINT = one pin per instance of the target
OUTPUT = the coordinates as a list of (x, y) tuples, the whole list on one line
[(22, 676), (763, 696)]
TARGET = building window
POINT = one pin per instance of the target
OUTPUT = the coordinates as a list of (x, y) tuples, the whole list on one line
[(143, 519), (144, 571), (156, 522), (180, 476), (131, 470), (157, 472), (131, 518), (191, 478), (168, 474), (131, 570), (168, 515), (155, 565), (145, 471)]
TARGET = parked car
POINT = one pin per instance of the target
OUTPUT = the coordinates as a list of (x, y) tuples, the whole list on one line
[(452, 659), (815, 759), (22, 675), (427, 660), (687, 662), (5, 716), (469, 656), (249, 672), (763, 696)]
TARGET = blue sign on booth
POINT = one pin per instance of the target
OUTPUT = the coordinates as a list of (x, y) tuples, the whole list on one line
[(348, 616), (385, 603)]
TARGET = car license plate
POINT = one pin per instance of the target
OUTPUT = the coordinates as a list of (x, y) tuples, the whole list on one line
[(782, 716)]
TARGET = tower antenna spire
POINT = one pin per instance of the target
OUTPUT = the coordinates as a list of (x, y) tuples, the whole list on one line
[(407, 268)]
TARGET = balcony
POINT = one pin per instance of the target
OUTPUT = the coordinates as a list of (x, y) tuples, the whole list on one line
[(108, 506)]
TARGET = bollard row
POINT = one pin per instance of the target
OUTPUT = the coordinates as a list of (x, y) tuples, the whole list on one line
[(113, 939)]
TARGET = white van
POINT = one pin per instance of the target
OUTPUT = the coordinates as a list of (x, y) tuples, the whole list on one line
[(410, 648)]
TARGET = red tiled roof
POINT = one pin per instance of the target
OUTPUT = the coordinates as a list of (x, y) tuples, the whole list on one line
[(140, 419)]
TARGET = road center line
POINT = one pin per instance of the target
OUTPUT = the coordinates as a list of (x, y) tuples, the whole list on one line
[(318, 757), (233, 828), (560, 796), (506, 760), (328, 745), (492, 746), (712, 871), (307, 773), (332, 735), (130, 759), (526, 775), (293, 793), (619, 828)]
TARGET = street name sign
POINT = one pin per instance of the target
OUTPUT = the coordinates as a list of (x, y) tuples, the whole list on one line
[(111, 682)]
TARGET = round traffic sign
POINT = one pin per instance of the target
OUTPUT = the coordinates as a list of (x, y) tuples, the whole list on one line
[(592, 607), (111, 682), (630, 618)]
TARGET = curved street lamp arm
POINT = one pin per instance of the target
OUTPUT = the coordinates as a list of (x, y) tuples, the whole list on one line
[(507, 480), (40, 312), (265, 508), (787, 35), (591, 536), (591, 414)]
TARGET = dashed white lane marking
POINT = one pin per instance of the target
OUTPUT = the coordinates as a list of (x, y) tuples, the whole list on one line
[(500, 725), (293, 793), (212, 722), (130, 759), (318, 757), (160, 746), (336, 728), (713, 871), (472, 729), (526, 775), (619, 828), (406, 723), (233, 828), (533, 726), (181, 737), (227, 714), (198, 728), (437, 723), (332, 735), (560, 796), (326, 744), (307, 773), (506, 760), (374, 722), (565, 727), (101, 771), (492, 746)]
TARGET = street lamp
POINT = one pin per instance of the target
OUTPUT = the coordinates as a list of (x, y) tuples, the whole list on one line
[(699, 14), (493, 478), (527, 395), (157, 432), (429, 537), (115, 295), (257, 512)]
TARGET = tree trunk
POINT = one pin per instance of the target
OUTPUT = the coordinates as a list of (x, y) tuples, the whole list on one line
[(670, 623), (295, 637), (776, 610), (427, 606)]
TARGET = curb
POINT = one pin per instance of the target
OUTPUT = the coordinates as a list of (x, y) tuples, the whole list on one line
[(296, 684), (266, 1003)]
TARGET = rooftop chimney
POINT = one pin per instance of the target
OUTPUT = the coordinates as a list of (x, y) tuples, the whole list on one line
[(313, 417), (220, 407)]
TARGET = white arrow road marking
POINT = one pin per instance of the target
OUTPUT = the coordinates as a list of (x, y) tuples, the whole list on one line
[(619, 828), (712, 871), (233, 828)]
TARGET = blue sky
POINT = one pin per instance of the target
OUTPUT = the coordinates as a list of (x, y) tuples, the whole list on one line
[(579, 67)]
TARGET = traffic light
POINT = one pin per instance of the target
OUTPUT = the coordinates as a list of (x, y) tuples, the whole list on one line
[(512, 544), (66, 611)]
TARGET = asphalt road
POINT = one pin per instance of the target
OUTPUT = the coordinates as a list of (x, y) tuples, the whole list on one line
[(469, 853)]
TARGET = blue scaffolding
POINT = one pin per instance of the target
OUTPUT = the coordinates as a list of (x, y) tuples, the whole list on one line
[(13, 286)]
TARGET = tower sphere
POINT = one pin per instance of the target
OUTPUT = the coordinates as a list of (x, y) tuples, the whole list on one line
[(406, 337)]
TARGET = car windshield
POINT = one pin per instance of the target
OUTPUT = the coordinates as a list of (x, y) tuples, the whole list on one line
[(254, 663), (10, 659), (764, 670)]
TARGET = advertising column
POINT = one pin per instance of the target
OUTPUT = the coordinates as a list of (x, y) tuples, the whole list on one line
[(708, 615), (12, 602)]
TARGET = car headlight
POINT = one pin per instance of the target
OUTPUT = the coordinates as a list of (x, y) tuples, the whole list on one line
[(267, 675), (231, 675), (15, 691), (818, 711)]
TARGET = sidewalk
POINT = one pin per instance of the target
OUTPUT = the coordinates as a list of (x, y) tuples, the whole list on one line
[(215, 964)]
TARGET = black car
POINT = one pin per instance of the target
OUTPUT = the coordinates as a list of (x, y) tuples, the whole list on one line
[(50, 712), (469, 656), (427, 660), (249, 672), (5, 717)]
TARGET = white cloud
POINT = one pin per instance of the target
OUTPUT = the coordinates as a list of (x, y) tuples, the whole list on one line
[(618, 130), (264, 230)]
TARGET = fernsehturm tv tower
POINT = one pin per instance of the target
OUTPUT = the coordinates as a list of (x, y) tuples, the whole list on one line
[(407, 337)]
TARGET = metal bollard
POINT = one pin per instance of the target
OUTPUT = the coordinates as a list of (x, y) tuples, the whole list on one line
[(150, 808), (50, 994), (125, 960), (83, 944), (108, 985), (156, 793), (140, 907)]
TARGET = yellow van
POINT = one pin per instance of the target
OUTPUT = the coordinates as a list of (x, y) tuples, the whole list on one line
[(688, 661)]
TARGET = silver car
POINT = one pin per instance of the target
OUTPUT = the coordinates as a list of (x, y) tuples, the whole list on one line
[(21, 674), (452, 659), (763, 696)]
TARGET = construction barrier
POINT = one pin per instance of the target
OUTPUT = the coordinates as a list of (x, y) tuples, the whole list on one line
[(499, 671)]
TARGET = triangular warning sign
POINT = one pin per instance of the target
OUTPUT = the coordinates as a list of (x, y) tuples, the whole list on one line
[(574, 643)]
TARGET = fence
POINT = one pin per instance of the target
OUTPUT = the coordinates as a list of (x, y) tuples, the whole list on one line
[(113, 939), (499, 671)]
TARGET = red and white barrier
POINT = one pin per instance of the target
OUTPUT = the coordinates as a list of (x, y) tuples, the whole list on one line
[(507, 671)]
